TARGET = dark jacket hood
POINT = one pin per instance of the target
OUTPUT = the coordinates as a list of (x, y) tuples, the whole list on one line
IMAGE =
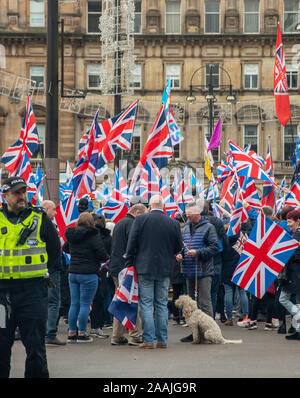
[(103, 231), (77, 234)]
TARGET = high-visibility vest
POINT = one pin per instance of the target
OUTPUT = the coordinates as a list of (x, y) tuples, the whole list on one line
[(22, 261)]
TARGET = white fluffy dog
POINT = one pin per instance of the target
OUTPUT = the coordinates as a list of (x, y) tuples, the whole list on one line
[(204, 327)]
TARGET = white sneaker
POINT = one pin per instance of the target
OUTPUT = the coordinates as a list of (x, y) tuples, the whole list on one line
[(244, 323), (99, 333), (275, 322)]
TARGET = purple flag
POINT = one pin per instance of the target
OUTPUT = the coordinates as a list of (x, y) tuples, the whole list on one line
[(216, 137)]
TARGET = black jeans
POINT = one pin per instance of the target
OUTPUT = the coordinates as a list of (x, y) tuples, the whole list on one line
[(26, 308)]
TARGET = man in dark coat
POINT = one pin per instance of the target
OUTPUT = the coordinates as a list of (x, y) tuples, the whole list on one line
[(153, 242), (116, 264), (291, 282)]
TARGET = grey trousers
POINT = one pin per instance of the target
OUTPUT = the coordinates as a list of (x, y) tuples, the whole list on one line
[(203, 293), (119, 330)]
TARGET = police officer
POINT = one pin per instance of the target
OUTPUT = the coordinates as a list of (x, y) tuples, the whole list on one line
[(27, 238)]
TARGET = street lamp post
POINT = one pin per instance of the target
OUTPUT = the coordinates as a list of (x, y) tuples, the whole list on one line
[(210, 96)]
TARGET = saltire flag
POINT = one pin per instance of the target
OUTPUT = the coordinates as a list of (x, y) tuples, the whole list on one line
[(171, 207), (268, 197), (64, 191), (296, 154), (69, 173), (39, 181), (158, 148), (105, 189), (248, 165), (175, 133), (83, 180), (28, 142), (124, 305), (293, 197), (280, 84), (267, 250), (119, 136), (66, 215)]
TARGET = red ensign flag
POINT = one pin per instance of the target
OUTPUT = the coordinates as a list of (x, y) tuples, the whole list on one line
[(282, 101)]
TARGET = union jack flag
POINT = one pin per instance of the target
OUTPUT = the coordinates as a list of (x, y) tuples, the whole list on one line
[(267, 250), (84, 172), (66, 215), (119, 136), (24, 169), (238, 216), (27, 143), (115, 207), (248, 165), (249, 192), (171, 208), (280, 84), (293, 197), (157, 150), (124, 305)]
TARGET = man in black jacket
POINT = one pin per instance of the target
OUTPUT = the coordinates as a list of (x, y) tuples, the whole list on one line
[(153, 242), (116, 264)]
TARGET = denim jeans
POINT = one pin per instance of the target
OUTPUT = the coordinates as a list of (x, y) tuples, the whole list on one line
[(83, 288), (244, 302), (53, 306), (153, 294), (293, 309), (228, 300)]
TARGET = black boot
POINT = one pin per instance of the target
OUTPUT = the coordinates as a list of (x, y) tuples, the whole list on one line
[(187, 339), (282, 329), (295, 336), (291, 330)]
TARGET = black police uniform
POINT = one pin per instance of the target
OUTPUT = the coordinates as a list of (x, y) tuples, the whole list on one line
[(25, 303)]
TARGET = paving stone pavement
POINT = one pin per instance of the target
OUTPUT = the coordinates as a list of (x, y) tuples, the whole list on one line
[(263, 354)]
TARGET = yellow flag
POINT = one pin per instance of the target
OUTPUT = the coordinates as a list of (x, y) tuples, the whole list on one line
[(207, 168)]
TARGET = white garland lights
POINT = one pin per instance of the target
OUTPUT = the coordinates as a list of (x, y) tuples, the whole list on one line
[(116, 26)]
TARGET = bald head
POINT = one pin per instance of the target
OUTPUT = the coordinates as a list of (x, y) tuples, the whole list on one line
[(50, 208), (156, 202)]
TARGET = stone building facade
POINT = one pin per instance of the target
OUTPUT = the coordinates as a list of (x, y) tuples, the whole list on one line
[(234, 39)]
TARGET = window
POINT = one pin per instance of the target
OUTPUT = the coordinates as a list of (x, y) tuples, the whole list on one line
[(251, 16), (173, 73), (292, 76), (176, 150), (37, 74), (251, 76), (138, 17), (251, 135), (290, 18), (93, 78), (37, 13), (137, 76), (213, 71), (212, 17), (290, 137), (136, 141), (41, 128), (172, 17), (94, 9)]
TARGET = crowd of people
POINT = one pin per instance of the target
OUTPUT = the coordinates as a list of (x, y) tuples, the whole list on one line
[(190, 254)]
